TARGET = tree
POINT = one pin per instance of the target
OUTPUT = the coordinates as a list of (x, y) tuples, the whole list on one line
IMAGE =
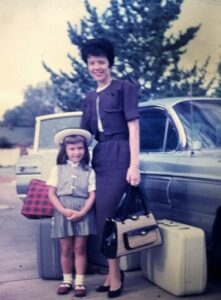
[(146, 54), (217, 91), (39, 100)]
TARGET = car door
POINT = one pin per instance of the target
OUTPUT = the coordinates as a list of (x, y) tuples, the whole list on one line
[(158, 143), (195, 188)]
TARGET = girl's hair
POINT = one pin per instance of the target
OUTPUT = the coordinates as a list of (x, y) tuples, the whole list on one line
[(73, 139), (98, 47)]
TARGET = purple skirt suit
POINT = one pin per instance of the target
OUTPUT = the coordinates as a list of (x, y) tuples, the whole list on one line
[(116, 105)]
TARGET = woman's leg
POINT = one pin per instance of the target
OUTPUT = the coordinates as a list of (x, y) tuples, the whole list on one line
[(114, 274), (67, 255)]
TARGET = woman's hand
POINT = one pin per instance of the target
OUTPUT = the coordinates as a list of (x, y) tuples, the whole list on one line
[(133, 175), (75, 216)]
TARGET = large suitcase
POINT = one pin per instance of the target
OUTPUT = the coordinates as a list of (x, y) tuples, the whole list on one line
[(48, 251), (179, 265)]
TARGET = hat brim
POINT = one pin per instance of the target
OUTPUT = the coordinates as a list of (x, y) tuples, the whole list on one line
[(62, 134)]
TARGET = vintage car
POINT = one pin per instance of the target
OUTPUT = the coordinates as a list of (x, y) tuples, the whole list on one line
[(180, 160)]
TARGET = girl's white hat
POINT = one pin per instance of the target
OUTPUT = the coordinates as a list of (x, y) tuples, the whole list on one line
[(62, 134)]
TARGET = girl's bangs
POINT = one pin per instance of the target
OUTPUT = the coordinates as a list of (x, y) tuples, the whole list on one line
[(73, 139)]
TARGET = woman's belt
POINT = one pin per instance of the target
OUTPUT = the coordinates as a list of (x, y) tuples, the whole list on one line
[(101, 137)]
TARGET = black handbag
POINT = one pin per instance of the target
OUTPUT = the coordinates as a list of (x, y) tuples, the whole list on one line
[(126, 232)]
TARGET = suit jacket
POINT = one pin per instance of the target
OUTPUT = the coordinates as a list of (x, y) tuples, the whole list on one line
[(118, 104)]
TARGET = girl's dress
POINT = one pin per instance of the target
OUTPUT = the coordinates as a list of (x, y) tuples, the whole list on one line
[(105, 115), (73, 184)]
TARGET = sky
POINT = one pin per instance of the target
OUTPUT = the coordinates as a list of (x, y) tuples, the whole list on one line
[(33, 31)]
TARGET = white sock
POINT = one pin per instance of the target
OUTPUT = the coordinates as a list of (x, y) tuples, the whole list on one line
[(79, 279), (67, 278)]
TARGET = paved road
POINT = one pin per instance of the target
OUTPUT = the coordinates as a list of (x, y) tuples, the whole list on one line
[(18, 269)]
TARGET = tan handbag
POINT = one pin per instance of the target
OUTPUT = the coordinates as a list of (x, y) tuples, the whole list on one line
[(127, 233)]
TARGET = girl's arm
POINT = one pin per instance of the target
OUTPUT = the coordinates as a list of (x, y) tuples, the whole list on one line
[(88, 204), (133, 173), (56, 202), (85, 210)]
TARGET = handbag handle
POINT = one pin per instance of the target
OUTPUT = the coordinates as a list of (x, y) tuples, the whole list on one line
[(122, 211)]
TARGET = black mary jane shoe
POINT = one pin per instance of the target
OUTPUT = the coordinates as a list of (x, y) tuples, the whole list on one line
[(103, 288), (115, 293)]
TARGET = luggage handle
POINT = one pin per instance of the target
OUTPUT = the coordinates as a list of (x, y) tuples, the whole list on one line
[(122, 212), (172, 224)]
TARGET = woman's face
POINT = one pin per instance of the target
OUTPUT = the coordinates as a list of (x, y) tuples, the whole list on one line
[(75, 152), (98, 67)]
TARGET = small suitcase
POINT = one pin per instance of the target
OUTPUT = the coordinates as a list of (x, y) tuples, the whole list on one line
[(48, 251), (179, 265), (130, 262)]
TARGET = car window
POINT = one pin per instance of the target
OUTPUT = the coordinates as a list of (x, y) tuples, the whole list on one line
[(202, 121), (157, 133), (50, 126)]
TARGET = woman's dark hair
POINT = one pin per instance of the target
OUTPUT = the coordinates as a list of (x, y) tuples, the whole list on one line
[(98, 47), (73, 139)]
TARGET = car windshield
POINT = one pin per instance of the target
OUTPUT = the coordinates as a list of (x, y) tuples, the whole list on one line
[(50, 126), (202, 121)]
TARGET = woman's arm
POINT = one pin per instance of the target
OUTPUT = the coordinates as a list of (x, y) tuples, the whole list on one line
[(133, 173)]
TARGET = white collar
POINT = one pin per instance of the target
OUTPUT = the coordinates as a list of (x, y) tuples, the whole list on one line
[(73, 164)]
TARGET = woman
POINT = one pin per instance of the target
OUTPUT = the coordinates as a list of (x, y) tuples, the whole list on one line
[(110, 113)]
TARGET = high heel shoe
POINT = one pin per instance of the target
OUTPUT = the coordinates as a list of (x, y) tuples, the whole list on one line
[(115, 293), (105, 288)]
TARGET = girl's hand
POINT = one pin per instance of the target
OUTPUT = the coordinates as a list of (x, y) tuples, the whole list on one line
[(68, 212), (75, 216), (133, 175)]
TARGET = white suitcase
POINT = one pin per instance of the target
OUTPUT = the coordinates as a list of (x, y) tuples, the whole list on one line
[(130, 262), (179, 265)]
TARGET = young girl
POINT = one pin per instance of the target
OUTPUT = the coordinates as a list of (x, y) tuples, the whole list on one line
[(110, 113), (72, 193)]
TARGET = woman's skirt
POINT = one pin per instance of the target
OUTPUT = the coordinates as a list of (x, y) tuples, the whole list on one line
[(61, 227), (111, 160)]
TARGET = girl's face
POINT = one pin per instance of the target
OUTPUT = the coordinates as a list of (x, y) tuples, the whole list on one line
[(98, 67), (75, 152)]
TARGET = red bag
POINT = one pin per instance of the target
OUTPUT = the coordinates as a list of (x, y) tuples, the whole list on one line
[(37, 205)]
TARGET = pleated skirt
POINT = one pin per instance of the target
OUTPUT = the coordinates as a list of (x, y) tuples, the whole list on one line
[(61, 227)]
